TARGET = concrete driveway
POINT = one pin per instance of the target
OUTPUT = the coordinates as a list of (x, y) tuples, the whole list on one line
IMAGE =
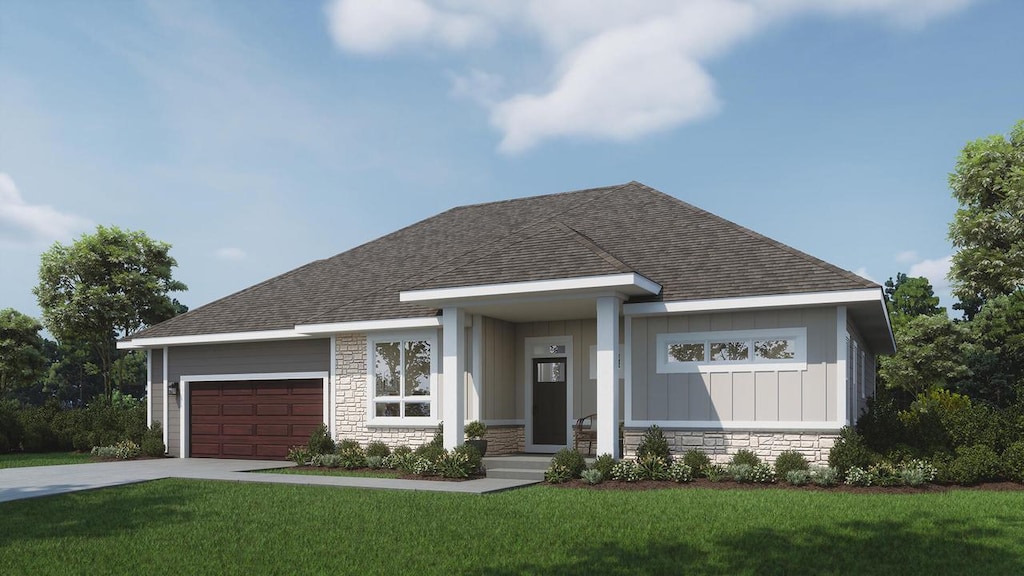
[(19, 483)]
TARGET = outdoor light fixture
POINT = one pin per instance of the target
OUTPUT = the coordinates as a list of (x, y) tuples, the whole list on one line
[(172, 388)]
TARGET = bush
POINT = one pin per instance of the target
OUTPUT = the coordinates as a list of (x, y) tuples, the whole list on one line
[(654, 443), (326, 460), (572, 460), (790, 460), (886, 474), (398, 460), (300, 455), (917, 472), (715, 472), (422, 466), (475, 460), (455, 464), (974, 464), (745, 457), (350, 454), (697, 461), (849, 451), (10, 427), (153, 441), (763, 474), (652, 467), (822, 476), (475, 430), (604, 464), (320, 441), (429, 451), (124, 450), (592, 476), (1013, 461), (37, 430), (557, 474), (375, 462), (857, 476), (742, 473), (798, 477), (438, 440), (680, 472), (377, 449), (626, 471)]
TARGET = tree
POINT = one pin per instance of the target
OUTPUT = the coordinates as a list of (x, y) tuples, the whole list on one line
[(929, 355), (995, 353), (22, 359), (104, 286), (988, 228), (909, 297)]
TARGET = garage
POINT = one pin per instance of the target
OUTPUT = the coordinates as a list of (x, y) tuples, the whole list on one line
[(252, 419)]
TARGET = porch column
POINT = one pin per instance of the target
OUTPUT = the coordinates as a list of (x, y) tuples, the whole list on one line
[(454, 367), (607, 379)]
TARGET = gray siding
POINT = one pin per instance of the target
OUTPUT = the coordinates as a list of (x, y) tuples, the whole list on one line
[(156, 378), (861, 403), (500, 400), (793, 396), (240, 358)]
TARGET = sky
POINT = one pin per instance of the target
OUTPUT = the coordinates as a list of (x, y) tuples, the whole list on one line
[(255, 136)]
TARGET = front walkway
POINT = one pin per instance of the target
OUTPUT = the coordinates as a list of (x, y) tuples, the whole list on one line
[(19, 483)]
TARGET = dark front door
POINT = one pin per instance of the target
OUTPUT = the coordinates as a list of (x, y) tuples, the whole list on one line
[(549, 403)]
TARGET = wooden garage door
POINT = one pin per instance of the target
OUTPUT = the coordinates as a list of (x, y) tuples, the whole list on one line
[(252, 419)]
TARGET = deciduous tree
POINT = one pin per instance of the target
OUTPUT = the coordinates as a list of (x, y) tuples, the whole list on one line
[(22, 361)]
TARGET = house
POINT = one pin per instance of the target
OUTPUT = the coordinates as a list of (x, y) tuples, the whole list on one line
[(619, 301)]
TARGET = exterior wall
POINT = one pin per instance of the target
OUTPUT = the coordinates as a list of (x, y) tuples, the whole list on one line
[(242, 358), (502, 440), (351, 399), (502, 399), (156, 379), (863, 382), (721, 445), (775, 396)]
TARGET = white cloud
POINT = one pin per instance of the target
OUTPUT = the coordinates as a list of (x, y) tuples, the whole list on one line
[(22, 223), (935, 271), (863, 273), (230, 253), (619, 70), (906, 256)]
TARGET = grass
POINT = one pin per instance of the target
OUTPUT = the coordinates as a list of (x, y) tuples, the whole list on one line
[(332, 472), (204, 527), (48, 459)]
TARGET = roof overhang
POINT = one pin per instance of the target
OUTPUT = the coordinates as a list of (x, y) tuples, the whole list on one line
[(627, 284), (370, 325), (865, 306), (225, 338)]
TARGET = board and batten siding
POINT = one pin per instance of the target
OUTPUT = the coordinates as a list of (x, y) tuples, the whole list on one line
[(156, 380), (501, 399), (313, 355), (754, 396)]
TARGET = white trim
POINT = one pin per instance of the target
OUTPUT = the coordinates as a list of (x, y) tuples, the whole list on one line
[(435, 381), (453, 408), (224, 338), (167, 437), (149, 388), (369, 325), (752, 426), (628, 280), (842, 337), (528, 358), (512, 422), (748, 302), (663, 340), (627, 367), (187, 379), (477, 370), (332, 400), (607, 387)]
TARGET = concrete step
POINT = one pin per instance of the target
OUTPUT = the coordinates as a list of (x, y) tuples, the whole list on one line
[(516, 474), (530, 462)]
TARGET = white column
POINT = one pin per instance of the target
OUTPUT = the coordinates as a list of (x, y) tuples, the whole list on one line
[(607, 381), (454, 375), (842, 411)]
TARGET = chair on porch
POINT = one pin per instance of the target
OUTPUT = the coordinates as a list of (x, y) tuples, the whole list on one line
[(584, 430)]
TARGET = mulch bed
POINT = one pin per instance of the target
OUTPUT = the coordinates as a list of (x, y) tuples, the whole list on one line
[(729, 485), (341, 472)]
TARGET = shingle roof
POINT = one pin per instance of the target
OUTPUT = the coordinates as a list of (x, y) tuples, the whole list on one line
[(692, 253)]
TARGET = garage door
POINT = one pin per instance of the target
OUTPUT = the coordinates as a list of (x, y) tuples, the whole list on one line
[(252, 419)]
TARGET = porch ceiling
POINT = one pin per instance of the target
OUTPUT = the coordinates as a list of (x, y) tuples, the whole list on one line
[(537, 309)]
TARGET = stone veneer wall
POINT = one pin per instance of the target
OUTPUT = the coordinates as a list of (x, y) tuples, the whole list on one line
[(502, 440), (721, 445), (350, 400)]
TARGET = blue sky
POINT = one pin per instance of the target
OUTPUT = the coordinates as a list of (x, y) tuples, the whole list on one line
[(256, 136)]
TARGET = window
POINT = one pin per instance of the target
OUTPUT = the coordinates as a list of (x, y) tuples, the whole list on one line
[(739, 350), (402, 377)]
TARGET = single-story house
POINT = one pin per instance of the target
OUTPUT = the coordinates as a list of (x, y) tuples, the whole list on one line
[(527, 314)]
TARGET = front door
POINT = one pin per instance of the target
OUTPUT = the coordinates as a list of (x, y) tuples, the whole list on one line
[(549, 401)]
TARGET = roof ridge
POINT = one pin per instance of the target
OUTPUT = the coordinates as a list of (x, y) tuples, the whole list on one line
[(765, 239), (588, 242)]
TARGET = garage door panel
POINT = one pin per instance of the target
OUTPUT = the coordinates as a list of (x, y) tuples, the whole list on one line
[(257, 419)]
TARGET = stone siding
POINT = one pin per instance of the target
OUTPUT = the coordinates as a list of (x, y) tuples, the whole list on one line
[(721, 445), (502, 440), (350, 400)]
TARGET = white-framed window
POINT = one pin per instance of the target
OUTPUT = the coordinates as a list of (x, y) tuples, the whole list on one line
[(402, 378), (732, 351)]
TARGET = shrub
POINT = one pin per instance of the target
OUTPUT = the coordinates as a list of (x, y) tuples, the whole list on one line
[(320, 441), (824, 476), (557, 474), (326, 460), (680, 472), (654, 443), (300, 455), (762, 474), (943, 462), (351, 455), (745, 457), (604, 464), (421, 466), (592, 476), (652, 467), (790, 460), (475, 430), (1013, 461), (849, 451), (10, 427), (857, 476), (398, 460), (697, 461), (740, 472), (974, 464), (798, 477), (377, 449), (153, 441), (475, 460), (429, 451), (454, 464), (124, 450), (438, 440), (886, 474), (375, 462), (626, 471), (715, 472), (572, 460), (37, 432), (917, 472)]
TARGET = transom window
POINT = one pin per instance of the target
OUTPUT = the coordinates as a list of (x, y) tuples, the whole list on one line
[(732, 350), (402, 377)]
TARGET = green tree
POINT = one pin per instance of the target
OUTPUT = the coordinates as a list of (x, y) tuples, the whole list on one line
[(988, 228), (909, 297), (22, 358), (104, 286), (995, 353), (929, 355)]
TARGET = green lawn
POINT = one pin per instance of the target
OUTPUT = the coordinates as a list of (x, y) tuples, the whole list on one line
[(200, 527), (49, 459), (332, 472)]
